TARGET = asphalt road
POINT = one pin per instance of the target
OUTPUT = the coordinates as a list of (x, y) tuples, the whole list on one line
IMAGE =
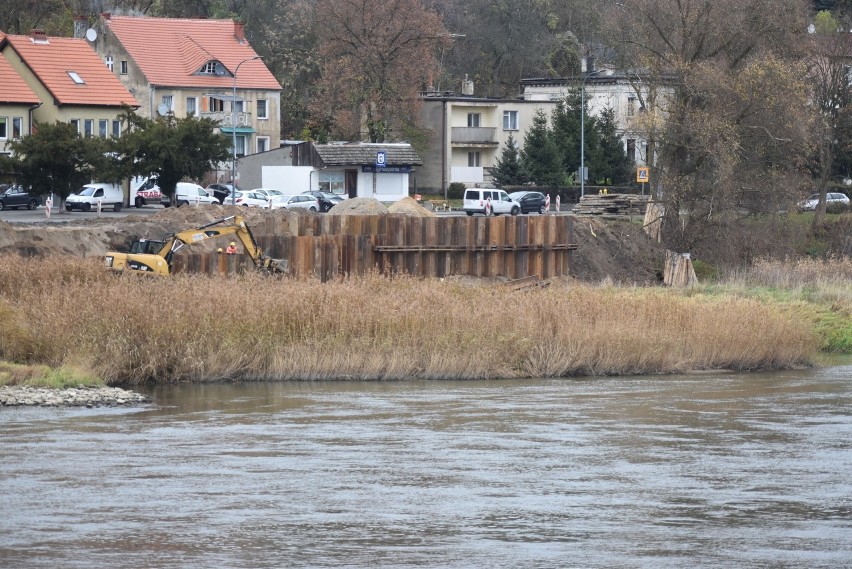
[(39, 215)]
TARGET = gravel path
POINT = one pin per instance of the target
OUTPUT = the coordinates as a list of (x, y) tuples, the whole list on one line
[(14, 396)]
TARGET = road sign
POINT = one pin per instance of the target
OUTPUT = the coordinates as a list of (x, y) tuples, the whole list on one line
[(642, 175), (381, 159)]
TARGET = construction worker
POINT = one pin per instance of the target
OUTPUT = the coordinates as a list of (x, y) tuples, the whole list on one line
[(232, 248)]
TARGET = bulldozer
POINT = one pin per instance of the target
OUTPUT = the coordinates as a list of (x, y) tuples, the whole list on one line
[(150, 256)]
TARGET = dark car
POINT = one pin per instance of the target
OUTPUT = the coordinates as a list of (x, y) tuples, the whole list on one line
[(530, 201), (16, 196), (326, 200), (221, 191)]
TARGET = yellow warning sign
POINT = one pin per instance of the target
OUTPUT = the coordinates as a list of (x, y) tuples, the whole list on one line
[(642, 175)]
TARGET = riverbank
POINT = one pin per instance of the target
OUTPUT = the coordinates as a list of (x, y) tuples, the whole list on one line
[(26, 396), (125, 331)]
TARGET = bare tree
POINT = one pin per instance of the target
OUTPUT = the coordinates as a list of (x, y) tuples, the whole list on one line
[(375, 57)]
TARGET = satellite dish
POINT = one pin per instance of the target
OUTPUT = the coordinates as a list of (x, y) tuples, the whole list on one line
[(163, 109), (91, 34)]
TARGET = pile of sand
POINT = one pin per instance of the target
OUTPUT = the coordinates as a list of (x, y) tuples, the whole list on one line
[(359, 206), (410, 207)]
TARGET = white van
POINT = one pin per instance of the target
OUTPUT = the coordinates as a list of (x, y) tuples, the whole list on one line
[(90, 195), (144, 191), (478, 200), (190, 194)]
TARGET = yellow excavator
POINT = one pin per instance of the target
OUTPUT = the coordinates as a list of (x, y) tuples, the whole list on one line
[(155, 257)]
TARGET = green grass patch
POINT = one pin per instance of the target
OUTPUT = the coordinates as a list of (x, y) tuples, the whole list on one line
[(45, 376)]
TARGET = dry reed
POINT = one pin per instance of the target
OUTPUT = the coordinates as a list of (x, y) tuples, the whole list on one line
[(128, 329)]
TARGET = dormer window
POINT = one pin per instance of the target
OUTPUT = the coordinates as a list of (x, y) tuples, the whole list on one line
[(212, 68), (75, 78)]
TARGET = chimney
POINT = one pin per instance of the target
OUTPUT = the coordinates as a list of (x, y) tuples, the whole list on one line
[(467, 86), (240, 31), (80, 25), (38, 36)]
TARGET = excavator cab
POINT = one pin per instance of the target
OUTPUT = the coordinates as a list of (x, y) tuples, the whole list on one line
[(146, 247)]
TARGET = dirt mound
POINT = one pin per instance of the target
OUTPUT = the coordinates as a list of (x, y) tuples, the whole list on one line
[(410, 207), (615, 250), (359, 206)]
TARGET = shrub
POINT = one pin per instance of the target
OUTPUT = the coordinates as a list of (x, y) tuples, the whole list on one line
[(456, 191)]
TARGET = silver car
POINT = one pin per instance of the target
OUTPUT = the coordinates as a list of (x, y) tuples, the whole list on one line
[(299, 201)]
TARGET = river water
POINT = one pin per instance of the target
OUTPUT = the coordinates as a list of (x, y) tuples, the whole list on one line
[(721, 470)]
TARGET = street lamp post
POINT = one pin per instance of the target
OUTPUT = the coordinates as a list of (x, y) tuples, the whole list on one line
[(234, 132), (583, 134)]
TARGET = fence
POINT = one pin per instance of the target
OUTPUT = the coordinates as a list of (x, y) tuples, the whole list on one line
[(329, 246)]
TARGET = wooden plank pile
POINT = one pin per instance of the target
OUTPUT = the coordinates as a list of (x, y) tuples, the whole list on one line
[(679, 271), (611, 205)]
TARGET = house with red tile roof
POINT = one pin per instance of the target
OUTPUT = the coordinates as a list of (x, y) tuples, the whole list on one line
[(17, 103), (200, 67), (61, 79)]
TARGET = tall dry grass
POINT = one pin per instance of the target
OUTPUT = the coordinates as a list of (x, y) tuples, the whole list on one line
[(128, 329)]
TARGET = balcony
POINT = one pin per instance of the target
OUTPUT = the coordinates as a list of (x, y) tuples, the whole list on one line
[(473, 135), (224, 118)]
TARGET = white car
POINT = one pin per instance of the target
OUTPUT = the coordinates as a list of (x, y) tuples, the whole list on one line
[(489, 201), (299, 201), (270, 193), (251, 198), (832, 199)]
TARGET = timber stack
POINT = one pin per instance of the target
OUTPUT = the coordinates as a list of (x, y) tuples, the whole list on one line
[(611, 205)]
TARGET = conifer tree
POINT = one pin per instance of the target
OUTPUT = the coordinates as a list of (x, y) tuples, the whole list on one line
[(540, 158), (507, 170)]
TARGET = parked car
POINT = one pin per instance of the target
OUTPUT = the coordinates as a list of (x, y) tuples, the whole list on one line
[(16, 196), (476, 200), (270, 193), (325, 199), (96, 194), (221, 191), (832, 200), (530, 201), (250, 199), (299, 201), (188, 193)]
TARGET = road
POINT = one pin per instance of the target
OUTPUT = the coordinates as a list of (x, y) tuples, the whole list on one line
[(39, 215)]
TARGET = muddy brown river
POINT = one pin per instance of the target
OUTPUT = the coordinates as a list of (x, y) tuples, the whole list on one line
[(717, 470)]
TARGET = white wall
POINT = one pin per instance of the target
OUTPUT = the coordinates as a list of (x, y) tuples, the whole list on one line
[(390, 187), (289, 179)]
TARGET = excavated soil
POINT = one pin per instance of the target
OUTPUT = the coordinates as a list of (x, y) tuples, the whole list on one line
[(608, 250)]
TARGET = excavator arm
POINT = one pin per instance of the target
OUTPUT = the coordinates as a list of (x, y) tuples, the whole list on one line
[(155, 257)]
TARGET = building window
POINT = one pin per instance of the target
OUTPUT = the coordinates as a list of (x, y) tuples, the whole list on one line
[(238, 106), (169, 103), (75, 124), (510, 120), (3, 132), (109, 62), (261, 109), (192, 106), (631, 149), (473, 159), (631, 106), (17, 126), (473, 119), (122, 67), (262, 143), (241, 145), (116, 129), (216, 105), (102, 128), (88, 127), (75, 78)]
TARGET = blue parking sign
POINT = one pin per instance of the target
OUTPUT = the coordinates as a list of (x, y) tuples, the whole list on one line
[(381, 160)]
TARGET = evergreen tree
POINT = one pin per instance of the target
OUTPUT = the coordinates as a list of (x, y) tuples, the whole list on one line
[(615, 166), (540, 158), (507, 170), (565, 121), (56, 159)]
